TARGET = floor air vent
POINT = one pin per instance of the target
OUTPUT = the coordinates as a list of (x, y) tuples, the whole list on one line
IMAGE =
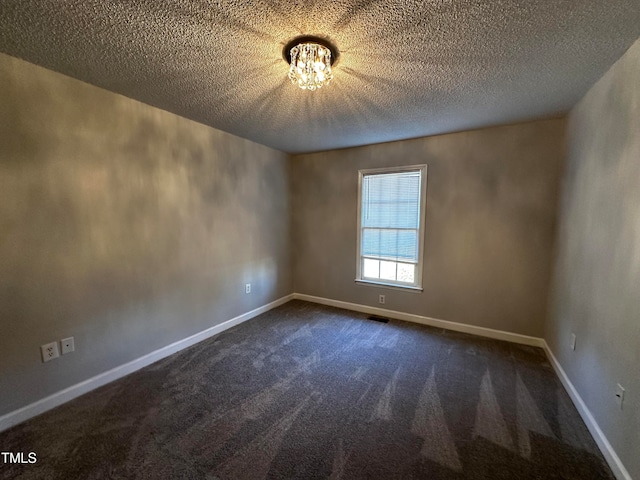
[(375, 318)]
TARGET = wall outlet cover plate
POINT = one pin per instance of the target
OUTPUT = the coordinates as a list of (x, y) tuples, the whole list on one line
[(49, 351), (67, 345), (619, 395)]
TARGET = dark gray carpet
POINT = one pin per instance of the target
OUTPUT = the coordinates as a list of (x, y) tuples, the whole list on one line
[(306, 391)]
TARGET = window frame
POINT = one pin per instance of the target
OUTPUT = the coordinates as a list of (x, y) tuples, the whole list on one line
[(417, 285)]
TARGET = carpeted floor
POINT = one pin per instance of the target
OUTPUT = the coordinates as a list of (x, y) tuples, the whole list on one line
[(306, 392)]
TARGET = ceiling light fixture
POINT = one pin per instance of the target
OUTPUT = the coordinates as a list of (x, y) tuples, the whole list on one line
[(310, 60)]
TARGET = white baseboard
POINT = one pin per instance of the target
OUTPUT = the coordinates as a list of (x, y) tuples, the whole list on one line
[(40, 406), (433, 322), (607, 450), (36, 408)]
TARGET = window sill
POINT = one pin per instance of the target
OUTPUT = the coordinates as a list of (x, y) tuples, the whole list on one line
[(393, 286)]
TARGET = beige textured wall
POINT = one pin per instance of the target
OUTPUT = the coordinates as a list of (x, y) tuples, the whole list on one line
[(597, 280), (491, 209), (124, 226)]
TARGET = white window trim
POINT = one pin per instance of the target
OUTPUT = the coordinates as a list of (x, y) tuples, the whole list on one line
[(423, 206)]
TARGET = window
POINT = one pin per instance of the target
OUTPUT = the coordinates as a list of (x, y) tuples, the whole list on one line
[(391, 204)]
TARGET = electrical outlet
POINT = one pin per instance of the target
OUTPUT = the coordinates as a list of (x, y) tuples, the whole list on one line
[(381, 299), (619, 395), (247, 288), (67, 345), (49, 351), (573, 341)]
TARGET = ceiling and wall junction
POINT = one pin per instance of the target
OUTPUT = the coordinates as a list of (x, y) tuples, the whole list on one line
[(407, 68)]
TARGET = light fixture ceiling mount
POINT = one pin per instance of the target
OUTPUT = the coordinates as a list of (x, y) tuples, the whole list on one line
[(310, 59)]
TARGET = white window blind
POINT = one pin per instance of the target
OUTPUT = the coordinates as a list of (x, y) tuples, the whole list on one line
[(390, 229)]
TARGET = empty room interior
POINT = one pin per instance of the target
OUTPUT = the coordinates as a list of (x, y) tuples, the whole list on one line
[(371, 239)]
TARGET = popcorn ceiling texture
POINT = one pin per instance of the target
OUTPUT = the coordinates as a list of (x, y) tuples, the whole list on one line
[(407, 68)]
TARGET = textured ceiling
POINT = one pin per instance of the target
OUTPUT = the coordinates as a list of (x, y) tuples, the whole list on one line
[(407, 68)]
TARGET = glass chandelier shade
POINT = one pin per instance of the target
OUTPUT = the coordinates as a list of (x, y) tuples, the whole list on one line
[(310, 65)]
